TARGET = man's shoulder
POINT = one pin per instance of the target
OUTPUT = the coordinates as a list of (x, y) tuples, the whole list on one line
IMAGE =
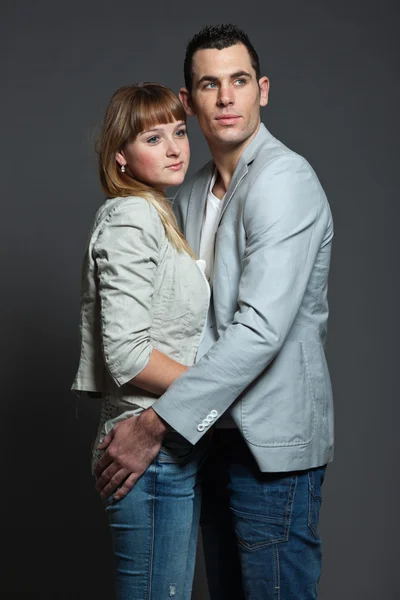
[(273, 150), (277, 167)]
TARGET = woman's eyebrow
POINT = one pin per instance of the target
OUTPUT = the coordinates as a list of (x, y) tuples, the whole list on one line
[(158, 129), (150, 130)]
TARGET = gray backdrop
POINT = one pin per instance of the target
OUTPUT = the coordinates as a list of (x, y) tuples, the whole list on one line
[(335, 99)]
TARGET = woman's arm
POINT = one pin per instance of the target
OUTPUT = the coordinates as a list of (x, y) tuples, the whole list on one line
[(159, 373), (127, 253)]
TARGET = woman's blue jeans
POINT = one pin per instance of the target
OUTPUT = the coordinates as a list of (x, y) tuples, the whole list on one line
[(155, 526)]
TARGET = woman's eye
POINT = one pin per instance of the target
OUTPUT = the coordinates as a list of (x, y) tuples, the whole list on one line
[(153, 140), (181, 132)]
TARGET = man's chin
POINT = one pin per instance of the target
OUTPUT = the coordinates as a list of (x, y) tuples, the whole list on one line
[(231, 138)]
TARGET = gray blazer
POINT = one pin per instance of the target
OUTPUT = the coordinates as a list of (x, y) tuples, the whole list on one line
[(270, 311)]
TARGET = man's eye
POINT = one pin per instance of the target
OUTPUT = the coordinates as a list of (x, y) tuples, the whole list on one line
[(210, 85), (153, 140), (240, 81)]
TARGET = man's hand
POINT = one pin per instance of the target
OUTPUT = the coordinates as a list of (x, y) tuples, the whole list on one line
[(130, 447)]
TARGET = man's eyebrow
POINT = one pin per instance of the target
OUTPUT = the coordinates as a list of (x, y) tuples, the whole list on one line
[(207, 78), (214, 79), (240, 74)]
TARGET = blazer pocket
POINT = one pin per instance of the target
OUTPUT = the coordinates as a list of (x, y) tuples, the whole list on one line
[(279, 408)]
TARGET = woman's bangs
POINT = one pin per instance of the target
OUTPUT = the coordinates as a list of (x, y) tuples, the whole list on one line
[(152, 111)]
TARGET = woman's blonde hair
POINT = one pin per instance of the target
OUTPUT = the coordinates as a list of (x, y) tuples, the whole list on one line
[(133, 109)]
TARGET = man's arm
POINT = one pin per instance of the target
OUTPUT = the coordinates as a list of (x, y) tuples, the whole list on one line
[(286, 220)]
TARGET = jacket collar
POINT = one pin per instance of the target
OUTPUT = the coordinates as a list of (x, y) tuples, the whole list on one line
[(198, 196)]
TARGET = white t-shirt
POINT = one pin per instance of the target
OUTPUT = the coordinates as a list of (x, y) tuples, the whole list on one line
[(212, 214), (211, 218)]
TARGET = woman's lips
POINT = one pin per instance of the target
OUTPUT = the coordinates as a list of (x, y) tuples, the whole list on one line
[(175, 166)]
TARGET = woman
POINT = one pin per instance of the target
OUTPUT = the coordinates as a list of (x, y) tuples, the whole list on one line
[(143, 309)]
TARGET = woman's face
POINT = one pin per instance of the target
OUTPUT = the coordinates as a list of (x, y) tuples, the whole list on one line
[(158, 157)]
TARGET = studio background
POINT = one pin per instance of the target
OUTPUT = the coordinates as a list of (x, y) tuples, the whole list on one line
[(334, 98)]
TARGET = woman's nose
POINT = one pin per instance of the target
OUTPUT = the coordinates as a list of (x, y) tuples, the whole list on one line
[(173, 148)]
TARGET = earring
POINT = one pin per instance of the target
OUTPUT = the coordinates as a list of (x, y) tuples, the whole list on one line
[(122, 168)]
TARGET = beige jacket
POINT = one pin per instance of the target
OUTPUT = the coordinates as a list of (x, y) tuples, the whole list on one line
[(138, 293)]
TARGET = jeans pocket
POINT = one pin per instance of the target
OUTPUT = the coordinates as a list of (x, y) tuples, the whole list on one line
[(175, 449), (268, 521), (315, 479)]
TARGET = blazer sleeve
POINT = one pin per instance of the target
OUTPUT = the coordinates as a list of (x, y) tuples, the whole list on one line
[(126, 254), (286, 219)]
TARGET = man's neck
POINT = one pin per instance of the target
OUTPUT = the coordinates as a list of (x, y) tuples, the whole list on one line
[(226, 160)]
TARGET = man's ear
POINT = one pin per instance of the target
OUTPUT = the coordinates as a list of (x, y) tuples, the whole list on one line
[(120, 158), (264, 90), (186, 99)]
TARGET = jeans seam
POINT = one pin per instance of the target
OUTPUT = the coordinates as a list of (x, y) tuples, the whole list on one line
[(289, 506), (312, 497), (277, 573), (152, 517)]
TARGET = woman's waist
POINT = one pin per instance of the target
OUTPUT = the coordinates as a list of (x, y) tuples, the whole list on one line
[(129, 396)]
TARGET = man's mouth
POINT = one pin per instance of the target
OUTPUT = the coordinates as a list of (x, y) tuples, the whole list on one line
[(227, 119)]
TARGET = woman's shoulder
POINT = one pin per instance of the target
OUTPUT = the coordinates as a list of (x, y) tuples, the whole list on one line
[(121, 217), (128, 209)]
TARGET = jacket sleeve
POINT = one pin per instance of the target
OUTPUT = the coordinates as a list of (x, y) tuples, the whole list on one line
[(126, 255), (286, 219)]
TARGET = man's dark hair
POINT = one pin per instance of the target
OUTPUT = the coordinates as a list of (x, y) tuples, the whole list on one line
[(217, 37)]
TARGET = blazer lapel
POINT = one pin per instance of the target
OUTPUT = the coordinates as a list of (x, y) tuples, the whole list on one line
[(197, 204), (242, 167), (198, 196), (240, 172)]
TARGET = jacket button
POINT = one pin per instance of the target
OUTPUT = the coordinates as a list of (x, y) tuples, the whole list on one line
[(214, 414), (200, 427)]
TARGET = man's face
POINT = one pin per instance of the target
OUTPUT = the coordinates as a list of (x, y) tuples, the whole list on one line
[(226, 96)]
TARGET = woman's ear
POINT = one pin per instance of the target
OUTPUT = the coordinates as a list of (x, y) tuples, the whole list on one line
[(120, 158)]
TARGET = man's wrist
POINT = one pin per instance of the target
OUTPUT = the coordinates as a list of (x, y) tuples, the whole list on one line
[(158, 425)]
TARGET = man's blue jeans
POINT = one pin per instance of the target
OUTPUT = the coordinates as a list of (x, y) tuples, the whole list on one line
[(154, 528), (259, 530)]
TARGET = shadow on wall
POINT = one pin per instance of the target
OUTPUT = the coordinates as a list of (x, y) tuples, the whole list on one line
[(54, 527)]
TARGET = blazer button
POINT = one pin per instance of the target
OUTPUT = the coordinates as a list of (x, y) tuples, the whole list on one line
[(200, 427), (214, 414)]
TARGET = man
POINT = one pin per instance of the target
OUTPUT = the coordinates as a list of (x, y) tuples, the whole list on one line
[(259, 216)]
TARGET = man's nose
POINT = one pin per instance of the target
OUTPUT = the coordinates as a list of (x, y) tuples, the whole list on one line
[(226, 96)]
